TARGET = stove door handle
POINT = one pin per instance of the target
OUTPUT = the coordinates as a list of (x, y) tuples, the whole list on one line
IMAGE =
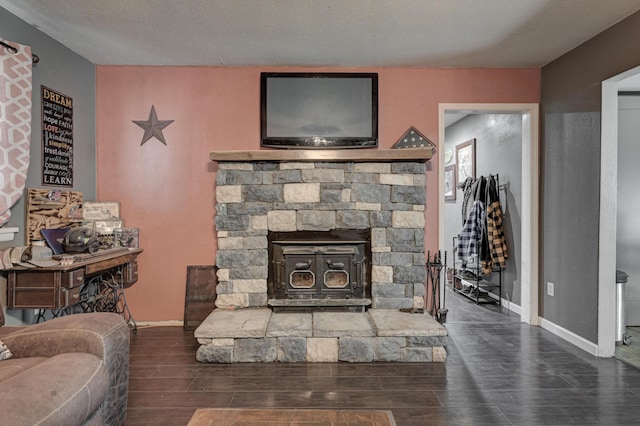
[(332, 265), (303, 265)]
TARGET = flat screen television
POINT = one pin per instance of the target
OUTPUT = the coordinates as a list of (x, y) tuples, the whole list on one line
[(319, 110)]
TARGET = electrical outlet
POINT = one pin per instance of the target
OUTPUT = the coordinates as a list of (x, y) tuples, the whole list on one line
[(551, 289)]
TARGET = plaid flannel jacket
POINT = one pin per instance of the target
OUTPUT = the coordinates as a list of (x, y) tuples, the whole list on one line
[(469, 239), (497, 240)]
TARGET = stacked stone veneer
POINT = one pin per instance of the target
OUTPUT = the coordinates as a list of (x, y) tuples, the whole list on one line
[(259, 335), (254, 198)]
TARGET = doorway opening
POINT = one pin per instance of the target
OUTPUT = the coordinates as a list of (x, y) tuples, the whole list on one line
[(528, 262), (609, 210)]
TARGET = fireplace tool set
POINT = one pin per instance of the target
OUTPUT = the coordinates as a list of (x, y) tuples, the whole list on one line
[(434, 269)]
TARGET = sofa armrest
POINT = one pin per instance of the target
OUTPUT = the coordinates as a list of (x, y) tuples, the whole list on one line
[(103, 334), (90, 332)]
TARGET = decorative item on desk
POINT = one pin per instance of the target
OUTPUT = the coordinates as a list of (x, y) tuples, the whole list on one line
[(413, 139), (80, 240), (54, 238), (51, 209), (16, 256), (106, 241), (101, 210), (6, 259), (126, 237), (67, 260), (103, 227), (40, 255), (105, 230)]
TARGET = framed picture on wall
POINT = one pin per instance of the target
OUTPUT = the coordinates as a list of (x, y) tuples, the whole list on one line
[(466, 160), (450, 183)]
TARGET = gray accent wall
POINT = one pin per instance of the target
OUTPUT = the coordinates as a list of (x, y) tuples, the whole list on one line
[(498, 151), (69, 73), (571, 120)]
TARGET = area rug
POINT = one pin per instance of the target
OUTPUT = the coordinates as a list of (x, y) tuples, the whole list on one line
[(238, 416)]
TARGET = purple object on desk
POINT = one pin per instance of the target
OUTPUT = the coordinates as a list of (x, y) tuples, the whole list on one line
[(54, 237)]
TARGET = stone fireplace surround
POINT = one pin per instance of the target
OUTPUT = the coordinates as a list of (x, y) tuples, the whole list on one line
[(256, 197)]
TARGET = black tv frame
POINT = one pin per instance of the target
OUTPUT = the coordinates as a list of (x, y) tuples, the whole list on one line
[(310, 142)]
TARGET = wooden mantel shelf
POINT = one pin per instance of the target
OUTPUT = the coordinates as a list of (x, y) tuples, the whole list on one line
[(422, 154)]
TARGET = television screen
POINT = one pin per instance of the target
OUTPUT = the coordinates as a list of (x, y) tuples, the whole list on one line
[(319, 110)]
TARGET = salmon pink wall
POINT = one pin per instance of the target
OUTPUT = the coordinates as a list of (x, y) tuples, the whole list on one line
[(168, 190)]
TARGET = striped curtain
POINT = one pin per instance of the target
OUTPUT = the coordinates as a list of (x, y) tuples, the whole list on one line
[(15, 124)]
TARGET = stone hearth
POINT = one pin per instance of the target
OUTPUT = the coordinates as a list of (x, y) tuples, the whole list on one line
[(259, 335)]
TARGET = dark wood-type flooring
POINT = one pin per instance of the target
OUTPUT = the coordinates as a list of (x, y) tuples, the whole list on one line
[(499, 372), (630, 353)]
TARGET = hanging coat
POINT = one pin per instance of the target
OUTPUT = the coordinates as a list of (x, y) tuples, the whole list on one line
[(470, 237), (497, 243)]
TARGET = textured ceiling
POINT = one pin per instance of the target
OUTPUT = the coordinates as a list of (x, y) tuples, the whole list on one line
[(345, 33)]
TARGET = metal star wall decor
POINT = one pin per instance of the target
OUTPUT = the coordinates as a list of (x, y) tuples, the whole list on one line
[(413, 139), (153, 127)]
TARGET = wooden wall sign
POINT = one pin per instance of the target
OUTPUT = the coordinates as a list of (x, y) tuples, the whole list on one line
[(57, 138), (51, 209)]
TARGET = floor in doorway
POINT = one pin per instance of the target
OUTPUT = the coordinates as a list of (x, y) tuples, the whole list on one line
[(630, 353)]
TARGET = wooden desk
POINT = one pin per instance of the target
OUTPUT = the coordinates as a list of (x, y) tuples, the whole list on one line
[(60, 287)]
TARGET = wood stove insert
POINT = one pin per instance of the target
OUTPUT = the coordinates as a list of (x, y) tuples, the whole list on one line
[(311, 271)]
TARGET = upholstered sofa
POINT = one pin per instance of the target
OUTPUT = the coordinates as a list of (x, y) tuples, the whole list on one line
[(72, 370)]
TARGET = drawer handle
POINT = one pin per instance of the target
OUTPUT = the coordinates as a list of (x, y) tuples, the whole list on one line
[(76, 296), (79, 279)]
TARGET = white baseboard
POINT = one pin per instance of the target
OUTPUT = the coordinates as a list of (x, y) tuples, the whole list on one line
[(507, 304), (570, 337), (511, 306)]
